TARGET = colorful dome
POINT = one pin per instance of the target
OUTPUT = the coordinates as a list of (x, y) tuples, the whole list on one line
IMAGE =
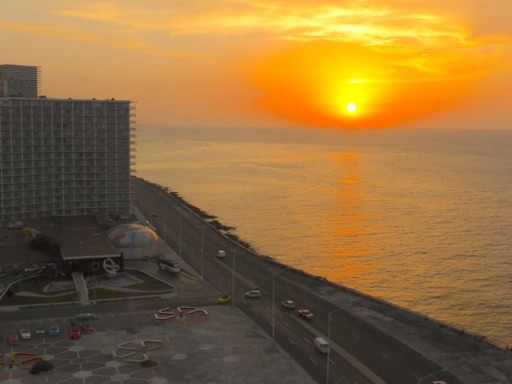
[(132, 236)]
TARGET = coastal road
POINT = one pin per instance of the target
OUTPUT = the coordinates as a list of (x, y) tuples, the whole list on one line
[(360, 352)]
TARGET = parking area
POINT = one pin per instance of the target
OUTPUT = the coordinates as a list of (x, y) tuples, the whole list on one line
[(223, 346)]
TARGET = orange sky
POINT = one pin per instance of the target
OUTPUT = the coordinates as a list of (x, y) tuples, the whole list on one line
[(327, 63)]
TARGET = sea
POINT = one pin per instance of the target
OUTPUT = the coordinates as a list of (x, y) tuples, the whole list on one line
[(419, 218)]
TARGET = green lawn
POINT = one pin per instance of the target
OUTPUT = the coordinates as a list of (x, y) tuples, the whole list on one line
[(149, 285), (27, 300), (101, 294)]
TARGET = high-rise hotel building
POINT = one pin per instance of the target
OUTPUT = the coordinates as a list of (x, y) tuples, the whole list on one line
[(61, 157)]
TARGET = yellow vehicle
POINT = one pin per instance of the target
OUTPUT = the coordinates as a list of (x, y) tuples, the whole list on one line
[(224, 299)]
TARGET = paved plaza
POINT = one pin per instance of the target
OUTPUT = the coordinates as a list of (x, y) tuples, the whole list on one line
[(221, 347)]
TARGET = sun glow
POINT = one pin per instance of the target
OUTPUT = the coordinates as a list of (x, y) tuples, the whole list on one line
[(335, 85)]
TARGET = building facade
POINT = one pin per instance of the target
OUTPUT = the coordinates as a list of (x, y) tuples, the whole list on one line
[(64, 157), (19, 80)]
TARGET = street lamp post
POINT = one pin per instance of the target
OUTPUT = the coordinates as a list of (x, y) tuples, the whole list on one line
[(152, 225), (202, 253), (233, 279), (180, 235), (329, 343), (165, 223), (274, 302)]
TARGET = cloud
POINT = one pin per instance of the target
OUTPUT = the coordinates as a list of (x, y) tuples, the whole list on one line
[(384, 25), (82, 35), (433, 42)]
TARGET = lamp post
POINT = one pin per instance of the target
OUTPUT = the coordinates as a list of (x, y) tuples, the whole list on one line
[(430, 375), (274, 302), (152, 225), (180, 235), (329, 343), (202, 253), (233, 279), (165, 223)]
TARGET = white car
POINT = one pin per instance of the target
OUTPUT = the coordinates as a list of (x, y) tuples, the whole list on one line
[(305, 314), (289, 304), (25, 333), (254, 294), (221, 254)]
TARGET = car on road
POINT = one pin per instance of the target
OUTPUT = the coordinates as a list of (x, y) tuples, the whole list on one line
[(254, 294), (75, 334), (86, 329), (85, 316), (13, 340), (221, 254), (25, 333), (288, 304), (40, 332), (224, 299), (305, 314), (54, 331), (322, 345)]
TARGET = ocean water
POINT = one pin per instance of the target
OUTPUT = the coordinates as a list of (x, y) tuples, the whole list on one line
[(422, 219)]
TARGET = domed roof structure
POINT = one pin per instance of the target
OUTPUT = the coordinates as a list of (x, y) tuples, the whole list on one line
[(132, 236)]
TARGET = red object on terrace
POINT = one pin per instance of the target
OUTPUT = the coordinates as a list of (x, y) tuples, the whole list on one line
[(75, 334)]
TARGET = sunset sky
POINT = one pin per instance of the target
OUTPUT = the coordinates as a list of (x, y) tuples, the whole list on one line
[(318, 63)]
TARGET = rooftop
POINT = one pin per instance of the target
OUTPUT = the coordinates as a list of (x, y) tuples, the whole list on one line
[(81, 237)]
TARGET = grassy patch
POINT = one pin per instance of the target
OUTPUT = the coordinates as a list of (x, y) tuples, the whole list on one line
[(30, 286), (102, 293), (148, 284), (28, 300)]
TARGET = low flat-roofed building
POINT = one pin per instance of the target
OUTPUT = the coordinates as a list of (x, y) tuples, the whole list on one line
[(84, 245)]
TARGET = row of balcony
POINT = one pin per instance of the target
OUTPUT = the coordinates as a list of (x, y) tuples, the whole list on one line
[(64, 106), (48, 130), (74, 202), (71, 195), (27, 160), (24, 133), (49, 124), (58, 149), (50, 116), (58, 169), (43, 211), (38, 151), (81, 173), (63, 148), (65, 144), (33, 185)]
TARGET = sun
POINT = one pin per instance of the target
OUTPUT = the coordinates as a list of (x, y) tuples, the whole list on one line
[(351, 108)]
